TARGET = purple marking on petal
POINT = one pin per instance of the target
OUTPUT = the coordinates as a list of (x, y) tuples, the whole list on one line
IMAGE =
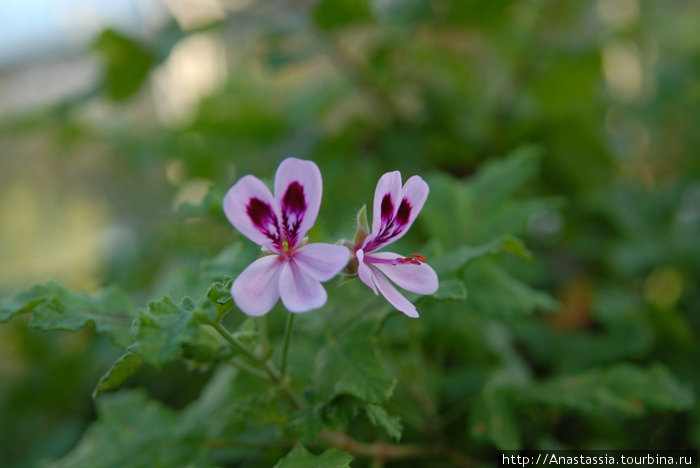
[(294, 200), (263, 218), (260, 212), (298, 193), (387, 230), (404, 212), (387, 208), (293, 209)]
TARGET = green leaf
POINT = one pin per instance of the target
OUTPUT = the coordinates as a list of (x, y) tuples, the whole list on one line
[(625, 389), (452, 288), (486, 206), (163, 328), (216, 302), (25, 301), (332, 14), (349, 364), (206, 348), (306, 424), (134, 431), (228, 405), (493, 419), (495, 291), (462, 256), (120, 371), (55, 308), (126, 63), (380, 418), (501, 178), (299, 457)]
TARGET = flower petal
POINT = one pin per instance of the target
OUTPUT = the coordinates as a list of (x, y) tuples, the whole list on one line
[(413, 196), (249, 206), (386, 199), (322, 261), (298, 191), (406, 203), (364, 271), (300, 292), (255, 291), (392, 295), (420, 279)]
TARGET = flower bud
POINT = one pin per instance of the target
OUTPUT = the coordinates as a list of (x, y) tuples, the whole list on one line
[(362, 226)]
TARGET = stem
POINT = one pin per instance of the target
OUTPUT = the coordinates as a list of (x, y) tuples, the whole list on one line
[(242, 365), (381, 450), (385, 451), (264, 337), (269, 369), (285, 346)]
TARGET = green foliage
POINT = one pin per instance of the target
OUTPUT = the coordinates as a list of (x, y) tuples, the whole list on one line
[(133, 430), (380, 418), (559, 141), (126, 63), (299, 457), (494, 419), (55, 308), (401, 12), (163, 328), (331, 14), (120, 371), (623, 388), (451, 289), (349, 364)]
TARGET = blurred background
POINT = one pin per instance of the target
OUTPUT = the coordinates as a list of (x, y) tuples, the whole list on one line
[(122, 124)]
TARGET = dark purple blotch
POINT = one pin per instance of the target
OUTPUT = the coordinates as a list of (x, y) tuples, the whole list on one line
[(403, 213), (294, 200), (387, 208), (293, 209), (263, 217)]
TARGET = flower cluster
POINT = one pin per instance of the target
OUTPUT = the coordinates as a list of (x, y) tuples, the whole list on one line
[(292, 269)]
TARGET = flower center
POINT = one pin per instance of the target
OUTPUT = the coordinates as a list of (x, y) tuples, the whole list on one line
[(286, 251)]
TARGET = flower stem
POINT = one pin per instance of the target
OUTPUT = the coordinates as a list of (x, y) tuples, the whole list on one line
[(264, 337), (269, 369), (285, 346)]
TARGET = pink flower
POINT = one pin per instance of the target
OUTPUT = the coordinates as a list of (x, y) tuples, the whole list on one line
[(395, 209), (294, 270)]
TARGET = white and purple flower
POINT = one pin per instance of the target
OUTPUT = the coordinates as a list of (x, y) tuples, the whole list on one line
[(395, 209), (294, 270)]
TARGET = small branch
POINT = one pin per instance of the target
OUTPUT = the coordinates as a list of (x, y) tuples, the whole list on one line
[(242, 365), (285, 346), (268, 369), (383, 451), (264, 337)]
